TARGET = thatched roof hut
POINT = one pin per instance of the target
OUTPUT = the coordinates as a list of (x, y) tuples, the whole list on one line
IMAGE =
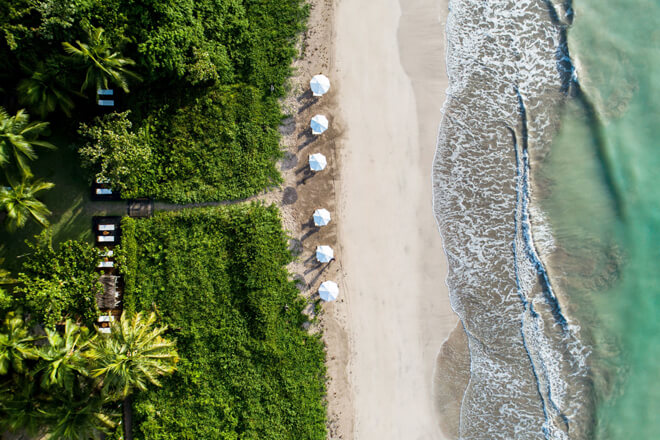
[(109, 298)]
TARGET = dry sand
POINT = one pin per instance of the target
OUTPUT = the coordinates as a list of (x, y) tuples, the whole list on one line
[(391, 77), (385, 60)]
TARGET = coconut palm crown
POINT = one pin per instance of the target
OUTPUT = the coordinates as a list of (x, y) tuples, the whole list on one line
[(18, 136), (16, 344), (79, 420), (63, 354), (20, 201), (104, 65), (133, 356), (45, 91)]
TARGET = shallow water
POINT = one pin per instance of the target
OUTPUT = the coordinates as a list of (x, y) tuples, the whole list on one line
[(603, 202)]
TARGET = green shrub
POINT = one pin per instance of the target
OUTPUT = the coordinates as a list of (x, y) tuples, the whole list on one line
[(59, 284), (115, 153), (248, 370)]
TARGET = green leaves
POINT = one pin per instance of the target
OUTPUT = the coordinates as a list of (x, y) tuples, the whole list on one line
[(62, 386), (18, 136), (133, 357), (46, 90), (104, 65), (248, 369), (59, 284), (15, 344), (20, 201), (117, 153), (64, 358)]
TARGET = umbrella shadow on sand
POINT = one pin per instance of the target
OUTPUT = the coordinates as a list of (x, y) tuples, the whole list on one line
[(318, 275), (313, 229)]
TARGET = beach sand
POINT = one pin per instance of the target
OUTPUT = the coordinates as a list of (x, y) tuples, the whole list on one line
[(385, 61), (391, 78)]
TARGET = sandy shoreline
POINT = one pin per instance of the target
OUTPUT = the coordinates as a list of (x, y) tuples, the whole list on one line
[(387, 69), (391, 78)]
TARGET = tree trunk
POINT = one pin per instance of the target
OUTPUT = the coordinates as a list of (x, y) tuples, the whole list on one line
[(128, 418)]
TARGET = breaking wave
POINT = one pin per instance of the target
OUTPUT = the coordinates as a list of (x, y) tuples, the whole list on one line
[(509, 71)]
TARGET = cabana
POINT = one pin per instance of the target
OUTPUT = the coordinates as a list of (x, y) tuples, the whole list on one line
[(108, 299)]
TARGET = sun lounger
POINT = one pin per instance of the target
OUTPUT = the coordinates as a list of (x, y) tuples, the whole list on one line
[(108, 253), (105, 330), (106, 264), (106, 227), (106, 318), (103, 191), (106, 238), (105, 92), (107, 102)]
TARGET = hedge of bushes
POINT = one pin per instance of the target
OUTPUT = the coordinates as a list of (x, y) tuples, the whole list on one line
[(248, 369)]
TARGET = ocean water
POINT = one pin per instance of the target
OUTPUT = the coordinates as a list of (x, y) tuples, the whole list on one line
[(545, 194), (603, 203)]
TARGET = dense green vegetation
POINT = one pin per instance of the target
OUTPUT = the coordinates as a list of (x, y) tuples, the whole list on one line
[(204, 78), (196, 86), (58, 284), (68, 384), (248, 370)]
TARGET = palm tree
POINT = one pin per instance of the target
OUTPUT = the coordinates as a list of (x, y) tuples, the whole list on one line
[(21, 405), (132, 357), (18, 137), (103, 64), (44, 91), (79, 419), (20, 202), (16, 344), (5, 275), (63, 356)]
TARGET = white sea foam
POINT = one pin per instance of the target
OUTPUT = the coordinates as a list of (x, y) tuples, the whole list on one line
[(507, 75)]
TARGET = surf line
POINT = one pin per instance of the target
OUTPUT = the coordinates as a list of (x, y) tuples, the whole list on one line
[(530, 317)]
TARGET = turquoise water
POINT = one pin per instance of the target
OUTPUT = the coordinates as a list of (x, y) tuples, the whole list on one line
[(602, 179)]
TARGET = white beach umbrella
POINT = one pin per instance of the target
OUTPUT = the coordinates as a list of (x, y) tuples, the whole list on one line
[(320, 85), (329, 291), (324, 254), (321, 217), (319, 124), (317, 162)]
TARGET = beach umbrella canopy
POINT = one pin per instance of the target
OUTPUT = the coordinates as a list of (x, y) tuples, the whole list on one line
[(328, 291), (324, 254), (317, 162), (319, 124), (321, 217), (320, 85)]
